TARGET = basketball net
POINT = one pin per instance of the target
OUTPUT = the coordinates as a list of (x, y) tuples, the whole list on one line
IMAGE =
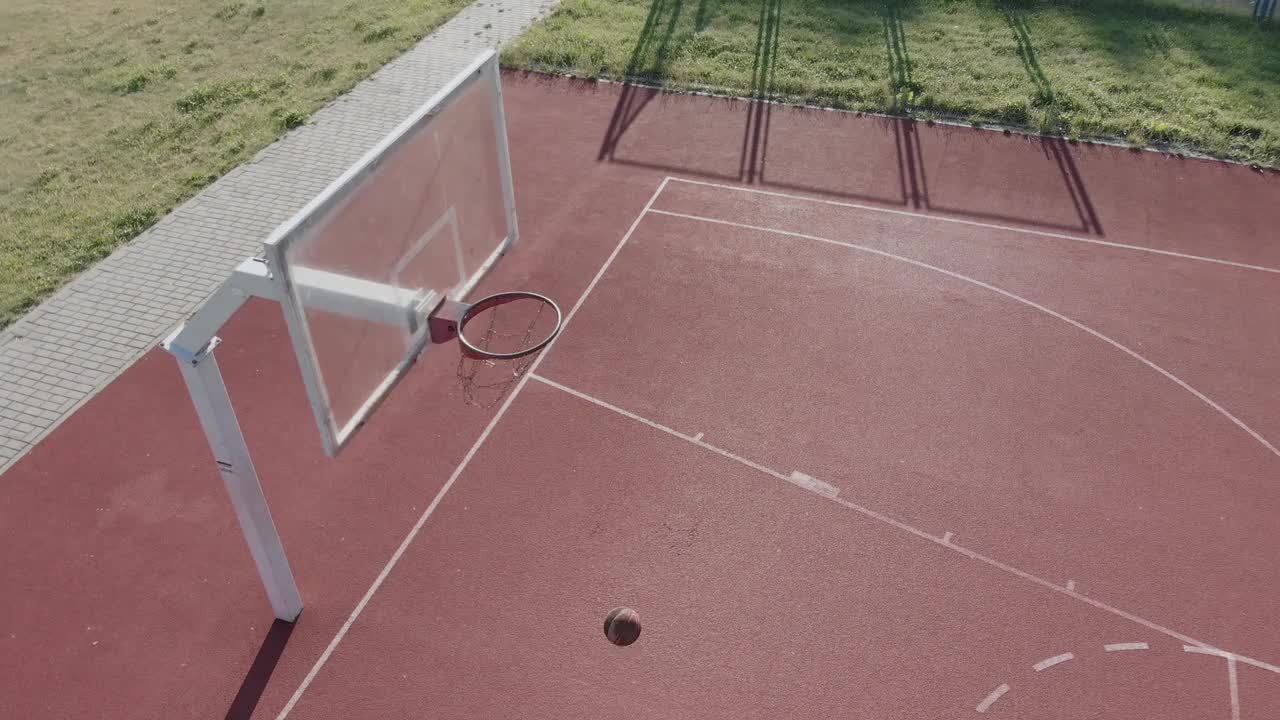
[(486, 381)]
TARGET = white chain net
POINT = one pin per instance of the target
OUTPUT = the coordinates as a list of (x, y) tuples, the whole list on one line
[(485, 381)]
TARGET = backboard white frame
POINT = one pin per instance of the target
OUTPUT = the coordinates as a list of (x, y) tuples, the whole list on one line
[(334, 435)]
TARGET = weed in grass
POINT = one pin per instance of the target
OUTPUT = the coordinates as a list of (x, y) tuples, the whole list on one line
[(138, 80), (293, 119), (44, 180), (258, 11), (226, 12), (219, 96), (132, 222), (199, 180), (134, 84), (324, 75), (1014, 113), (1161, 131), (380, 33), (1247, 131)]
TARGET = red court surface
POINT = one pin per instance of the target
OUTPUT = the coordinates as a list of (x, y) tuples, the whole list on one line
[(866, 418)]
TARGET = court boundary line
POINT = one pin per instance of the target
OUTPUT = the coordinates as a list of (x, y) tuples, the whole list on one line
[(1197, 645), (1233, 683), (992, 697), (978, 224), (462, 466), (1008, 294), (648, 209)]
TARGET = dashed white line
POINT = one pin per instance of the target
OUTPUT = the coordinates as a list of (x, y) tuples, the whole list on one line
[(1207, 650), (1050, 662), (812, 484), (991, 699), (1121, 647)]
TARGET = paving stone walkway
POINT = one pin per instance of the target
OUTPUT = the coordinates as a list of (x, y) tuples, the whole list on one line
[(57, 356)]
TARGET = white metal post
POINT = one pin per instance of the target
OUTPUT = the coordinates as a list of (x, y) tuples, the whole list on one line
[(218, 417)]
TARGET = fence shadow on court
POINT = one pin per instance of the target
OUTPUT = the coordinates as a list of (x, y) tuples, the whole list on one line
[(914, 182), (255, 681), (913, 178), (649, 65), (655, 40)]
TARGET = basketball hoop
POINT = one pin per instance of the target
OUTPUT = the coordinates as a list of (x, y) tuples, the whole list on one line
[(492, 360)]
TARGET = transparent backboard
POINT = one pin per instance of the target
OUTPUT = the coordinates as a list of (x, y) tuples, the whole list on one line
[(421, 217)]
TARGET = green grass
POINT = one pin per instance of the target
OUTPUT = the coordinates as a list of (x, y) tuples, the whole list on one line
[(1149, 72), (114, 111)]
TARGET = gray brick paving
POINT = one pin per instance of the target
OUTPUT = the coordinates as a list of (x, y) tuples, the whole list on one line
[(62, 352)]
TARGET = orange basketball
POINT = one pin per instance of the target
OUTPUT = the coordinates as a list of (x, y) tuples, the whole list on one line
[(622, 626)]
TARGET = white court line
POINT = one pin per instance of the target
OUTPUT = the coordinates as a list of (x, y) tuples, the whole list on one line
[(975, 223), (663, 428), (1192, 645), (1202, 649), (1233, 682), (1050, 662), (1071, 585), (808, 482), (484, 435), (1121, 647), (1001, 291), (985, 705)]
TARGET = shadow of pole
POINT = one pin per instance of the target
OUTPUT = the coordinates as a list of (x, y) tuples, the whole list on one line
[(1026, 53), (655, 39), (914, 183), (911, 178), (255, 681), (902, 85), (755, 134), (902, 90), (1056, 148), (1060, 151)]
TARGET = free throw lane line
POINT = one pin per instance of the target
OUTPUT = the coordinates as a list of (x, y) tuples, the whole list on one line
[(1192, 645), (435, 502)]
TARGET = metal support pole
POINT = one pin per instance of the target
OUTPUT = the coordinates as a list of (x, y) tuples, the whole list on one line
[(218, 417)]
